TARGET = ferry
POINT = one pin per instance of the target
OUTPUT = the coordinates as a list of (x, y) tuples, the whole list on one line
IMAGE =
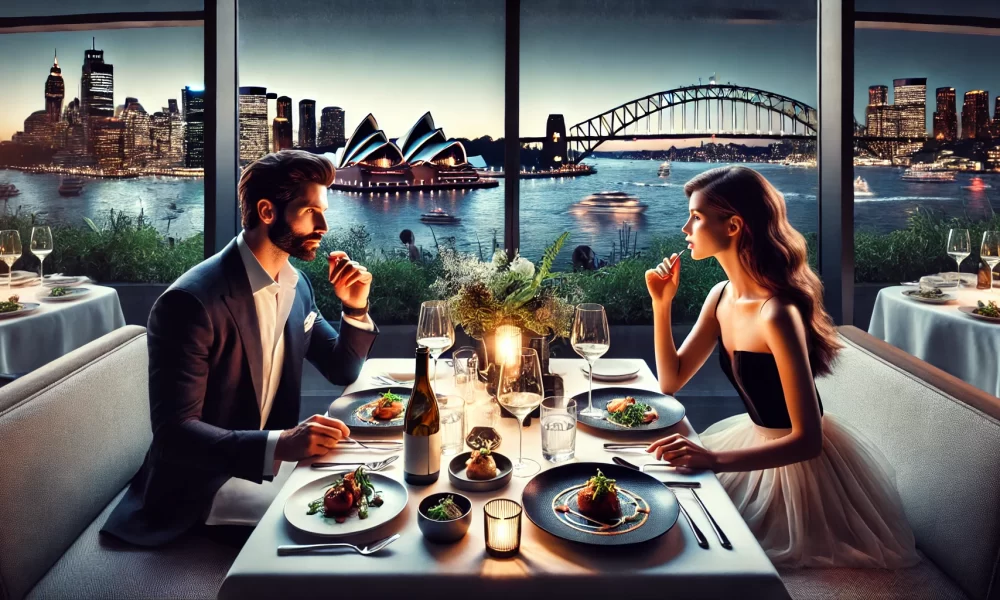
[(861, 189), (925, 176), (438, 216), (977, 185), (664, 170), (71, 186), (8, 190), (610, 203)]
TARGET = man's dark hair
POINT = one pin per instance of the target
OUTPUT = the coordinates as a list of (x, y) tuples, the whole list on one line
[(406, 236), (583, 259), (280, 177)]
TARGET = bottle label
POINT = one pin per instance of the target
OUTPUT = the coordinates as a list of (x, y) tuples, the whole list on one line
[(422, 454)]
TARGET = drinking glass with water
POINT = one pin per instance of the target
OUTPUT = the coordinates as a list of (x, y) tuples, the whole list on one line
[(558, 416), (452, 411)]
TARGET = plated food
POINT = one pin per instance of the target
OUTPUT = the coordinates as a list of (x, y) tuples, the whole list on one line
[(58, 292), (481, 470), (627, 412), (382, 409), (352, 494), (445, 510), (10, 305), (481, 465), (989, 310), (388, 406), (444, 517), (599, 498), (930, 295)]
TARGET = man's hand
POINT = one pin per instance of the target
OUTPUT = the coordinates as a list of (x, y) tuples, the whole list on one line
[(313, 437), (351, 281)]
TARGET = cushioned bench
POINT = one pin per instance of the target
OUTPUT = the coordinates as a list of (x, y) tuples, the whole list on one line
[(942, 437), (73, 433)]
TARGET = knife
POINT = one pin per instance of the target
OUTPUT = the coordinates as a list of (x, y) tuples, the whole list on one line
[(702, 540)]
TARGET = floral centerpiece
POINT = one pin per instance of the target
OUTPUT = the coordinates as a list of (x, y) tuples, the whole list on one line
[(485, 295)]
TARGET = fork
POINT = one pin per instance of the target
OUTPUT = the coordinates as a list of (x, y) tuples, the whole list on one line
[(390, 444), (371, 466), (289, 549), (386, 380)]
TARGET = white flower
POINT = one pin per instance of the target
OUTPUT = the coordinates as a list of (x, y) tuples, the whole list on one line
[(523, 267), (499, 257)]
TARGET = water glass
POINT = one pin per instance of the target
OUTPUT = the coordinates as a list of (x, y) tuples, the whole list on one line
[(466, 365), (41, 246), (10, 251), (558, 417), (452, 411)]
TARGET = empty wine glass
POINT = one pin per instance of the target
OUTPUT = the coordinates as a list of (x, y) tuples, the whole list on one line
[(435, 330), (959, 248), (520, 391), (990, 251), (10, 251), (591, 340), (41, 246)]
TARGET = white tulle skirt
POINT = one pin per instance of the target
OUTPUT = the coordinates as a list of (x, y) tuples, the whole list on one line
[(840, 509)]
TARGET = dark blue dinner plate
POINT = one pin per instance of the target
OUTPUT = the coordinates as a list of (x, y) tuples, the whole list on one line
[(354, 409), (558, 486), (669, 409)]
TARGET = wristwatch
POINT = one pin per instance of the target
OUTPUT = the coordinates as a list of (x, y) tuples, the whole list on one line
[(355, 313)]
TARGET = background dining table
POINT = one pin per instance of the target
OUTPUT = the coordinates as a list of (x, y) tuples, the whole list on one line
[(32, 340), (941, 335), (670, 566)]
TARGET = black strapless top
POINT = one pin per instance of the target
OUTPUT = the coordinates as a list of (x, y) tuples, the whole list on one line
[(756, 379)]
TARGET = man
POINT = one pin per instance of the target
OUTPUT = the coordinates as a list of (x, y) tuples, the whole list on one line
[(406, 236), (226, 344)]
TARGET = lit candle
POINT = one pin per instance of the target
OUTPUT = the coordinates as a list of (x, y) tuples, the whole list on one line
[(508, 344), (503, 527)]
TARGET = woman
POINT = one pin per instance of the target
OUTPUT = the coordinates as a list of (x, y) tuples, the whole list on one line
[(813, 492)]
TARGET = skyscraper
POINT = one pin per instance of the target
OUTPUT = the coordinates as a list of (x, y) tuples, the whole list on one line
[(159, 138), (138, 126), (995, 126), (178, 132), (946, 115), (55, 91), (193, 103), (108, 137), (97, 91), (331, 129), (910, 95), (282, 126), (976, 115), (253, 123), (307, 123), (878, 95)]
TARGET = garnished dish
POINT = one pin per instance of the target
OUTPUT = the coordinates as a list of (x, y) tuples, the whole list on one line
[(10, 305), (445, 510), (481, 465), (989, 309), (387, 408), (596, 506), (929, 293), (349, 495), (599, 498), (628, 412), (58, 292)]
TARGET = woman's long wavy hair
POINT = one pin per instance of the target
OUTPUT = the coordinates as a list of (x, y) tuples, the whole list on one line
[(772, 251)]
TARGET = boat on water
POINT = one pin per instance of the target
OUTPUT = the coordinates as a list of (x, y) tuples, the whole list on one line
[(664, 170), (977, 185), (438, 216), (610, 203), (861, 189), (71, 186), (174, 208), (8, 190), (926, 176)]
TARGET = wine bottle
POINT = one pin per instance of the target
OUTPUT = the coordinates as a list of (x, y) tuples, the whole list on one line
[(421, 429), (984, 278)]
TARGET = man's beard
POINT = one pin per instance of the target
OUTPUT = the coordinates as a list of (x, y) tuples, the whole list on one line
[(282, 236)]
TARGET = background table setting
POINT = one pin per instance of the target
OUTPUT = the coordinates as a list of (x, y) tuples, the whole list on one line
[(936, 320), (518, 532)]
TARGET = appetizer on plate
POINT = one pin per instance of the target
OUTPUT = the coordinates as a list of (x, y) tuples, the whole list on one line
[(481, 465), (10, 305), (599, 499), (933, 293), (627, 412), (353, 493), (58, 292), (988, 309), (388, 407)]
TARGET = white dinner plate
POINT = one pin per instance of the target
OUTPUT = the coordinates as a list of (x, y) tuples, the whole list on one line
[(72, 293), (63, 281), (915, 295), (297, 505), (26, 307), (613, 369)]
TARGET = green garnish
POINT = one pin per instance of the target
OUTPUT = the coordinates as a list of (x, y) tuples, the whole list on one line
[(58, 291), (445, 510), (389, 398), (990, 309), (10, 305), (601, 485), (634, 414), (366, 500)]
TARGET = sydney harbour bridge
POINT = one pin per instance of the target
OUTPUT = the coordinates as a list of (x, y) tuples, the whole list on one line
[(697, 111)]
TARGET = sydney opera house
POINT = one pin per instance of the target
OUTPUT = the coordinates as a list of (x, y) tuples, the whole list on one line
[(423, 159)]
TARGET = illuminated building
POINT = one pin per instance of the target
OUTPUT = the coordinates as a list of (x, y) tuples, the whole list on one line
[(993, 158), (307, 123), (554, 147), (281, 128), (55, 91), (878, 95), (178, 131), (97, 90), (108, 137), (136, 142), (253, 124), (331, 128), (995, 125), (909, 96), (946, 115), (159, 139), (193, 103), (976, 115)]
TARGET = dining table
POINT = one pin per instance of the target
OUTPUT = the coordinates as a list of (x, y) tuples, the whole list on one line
[(672, 565), (941, 334), (57, 327)]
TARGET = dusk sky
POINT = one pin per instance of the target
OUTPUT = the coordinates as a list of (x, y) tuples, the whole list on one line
[(398, 59)]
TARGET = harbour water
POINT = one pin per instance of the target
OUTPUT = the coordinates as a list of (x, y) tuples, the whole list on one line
[(178, 203)]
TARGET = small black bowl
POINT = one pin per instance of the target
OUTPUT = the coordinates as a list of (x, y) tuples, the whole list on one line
[(444, 532), (456, 473)]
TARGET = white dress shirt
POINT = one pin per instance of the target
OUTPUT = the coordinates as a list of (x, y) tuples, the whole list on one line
[(241, 502)]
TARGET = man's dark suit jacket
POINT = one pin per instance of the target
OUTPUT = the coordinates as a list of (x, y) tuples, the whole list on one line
[(205, 377)]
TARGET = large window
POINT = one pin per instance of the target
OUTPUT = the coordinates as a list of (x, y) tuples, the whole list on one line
[(407, 101)]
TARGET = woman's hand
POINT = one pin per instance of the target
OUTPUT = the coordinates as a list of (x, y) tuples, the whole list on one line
[(662, 281), (682, 452)]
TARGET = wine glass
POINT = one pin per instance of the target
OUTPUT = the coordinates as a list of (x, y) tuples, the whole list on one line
[(591, 339), (10, 251), (435, 330), (959, 248), (990, 251), (41, 246), (520, 391)]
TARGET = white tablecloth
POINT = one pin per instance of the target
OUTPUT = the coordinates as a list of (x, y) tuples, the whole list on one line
[(672, 566), (56, 328), (954, 342)]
